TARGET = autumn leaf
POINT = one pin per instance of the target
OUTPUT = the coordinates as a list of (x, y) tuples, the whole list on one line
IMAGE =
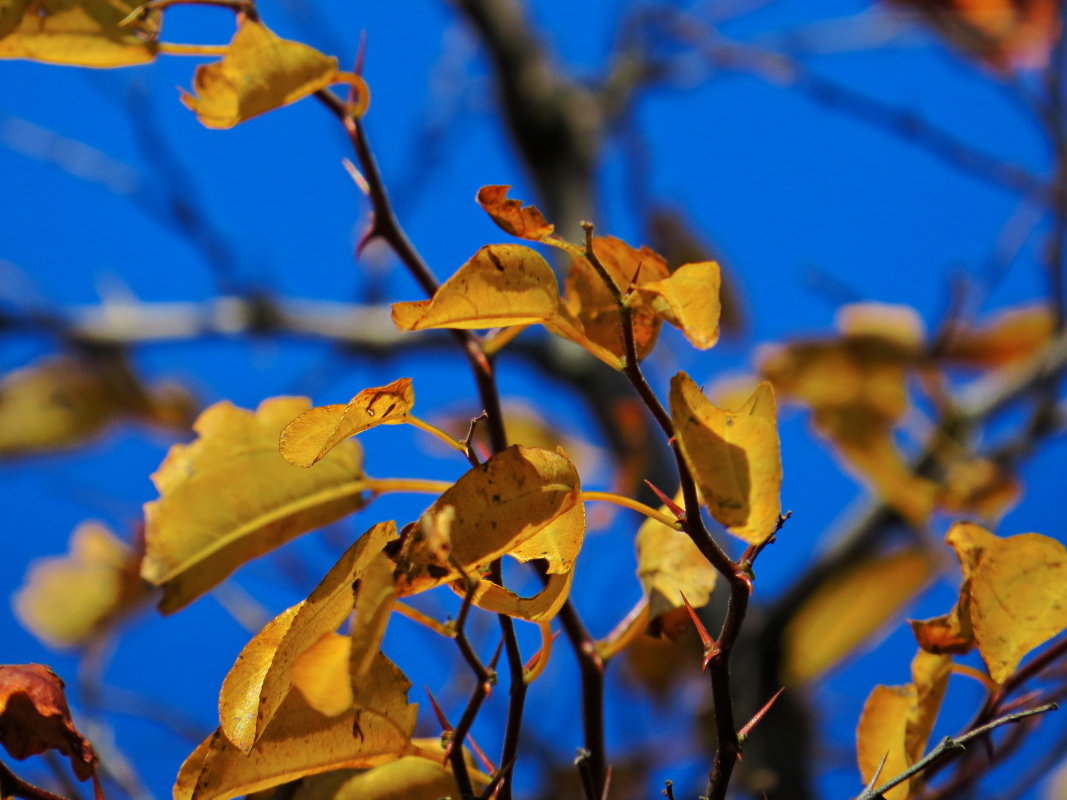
[(733, 455), (229, 497), (69, 600), (1018, 599), (526, 222), (302, 741), (314, 433), (978, 486), (688, 300), (34, 718), (258, 682), (261, 72), (849, 608), (87, 33), (1011, 336), (375, 597)]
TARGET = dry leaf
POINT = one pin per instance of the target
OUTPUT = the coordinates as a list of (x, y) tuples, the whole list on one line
[(314, 433), (259, 680), (229, 497), (34, 717), (733, 455), (1018, 599), (526, 222), (301, 741), (261, 72), (848, 609), (69, 600), (85, 33), (688, 300)]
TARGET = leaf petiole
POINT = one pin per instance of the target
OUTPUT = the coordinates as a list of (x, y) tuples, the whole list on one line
[(633, 505)]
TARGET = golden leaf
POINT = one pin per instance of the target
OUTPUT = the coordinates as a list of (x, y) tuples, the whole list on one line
[(374, 601), (259, 680), (881, 733), (688, 300), (540, 607), (978, 486), (491, 510), (261, 72), (314, 433), (320, 674), (929, 676), (229, 497), (34, 717), (848, 609), (69, 600), (86, 33), (733, 455), (1010, 336), (526, 222), (1018, 599), (669, 565), (302, 741)]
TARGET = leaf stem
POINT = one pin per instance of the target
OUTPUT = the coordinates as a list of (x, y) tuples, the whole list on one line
[(412, 485), (433, 430), (633, 505), (211, 50)]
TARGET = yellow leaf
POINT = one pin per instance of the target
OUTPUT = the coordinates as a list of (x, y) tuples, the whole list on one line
[(502, 284), (541, 607), (733, 455), (978, 486), (892, 323), (1012, 335), (1018, 599), (257, 684), (526, 222), (669, 565), (929, 676), (881, 733), (69, 600), (86, 33), (229, 497), (850, 608), (375, 597), (688, 300), (320, 674), (301, 741), (314, 433), (558, 543), (261, 72), (490, 511)]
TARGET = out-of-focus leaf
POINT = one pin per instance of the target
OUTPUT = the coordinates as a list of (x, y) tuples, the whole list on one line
[(86, 33), (1003, 34), (62, 402), (659, 664), (261, 72), (1010, 336), (229, 497), (689, 300), (34, 718), (929, 676), (314, 433), (1018, 599), (259, 680), (320, 673), (669, 565), (978, 486), (848, 609), (734, 456), (492, 509), (301, 741), (69, 600)]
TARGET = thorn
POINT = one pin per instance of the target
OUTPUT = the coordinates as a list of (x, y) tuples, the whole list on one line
[(486, 763), (356, 176), (438, 712), (672, 506), (711, 649), (496, 655), (748, 726), (607, 785), (361, 52), (869, 788), (368, 236)]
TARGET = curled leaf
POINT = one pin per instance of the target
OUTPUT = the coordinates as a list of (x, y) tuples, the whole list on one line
[(314, 433), (733, 455), (688, 300), (526, 222), (229, 497)]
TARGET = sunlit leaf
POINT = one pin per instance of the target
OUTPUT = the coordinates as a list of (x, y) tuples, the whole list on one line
[(320, 674), (261, 72), (929, 676), (526, 222), (375, 595), (734, 456), (256, 686), (849, 608), (1018, 599), (978, 486), (314, 433), (301, 741), (69, 600), (670, 565), (85, 33), (34, 717), (540, 607), (689, 300), (1010, 336), (229, 497)]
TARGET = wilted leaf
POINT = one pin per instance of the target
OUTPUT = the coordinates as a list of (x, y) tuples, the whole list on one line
[(540, 607), (85, 33), (261, 72), (256, 686), (688, 300), (490, 511), (669, 565), (301, 741), (733, 455), (314, 433), (526, 222), (849, 608), (229, 497), (68, 600), (1018, 599), (34, 717)]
